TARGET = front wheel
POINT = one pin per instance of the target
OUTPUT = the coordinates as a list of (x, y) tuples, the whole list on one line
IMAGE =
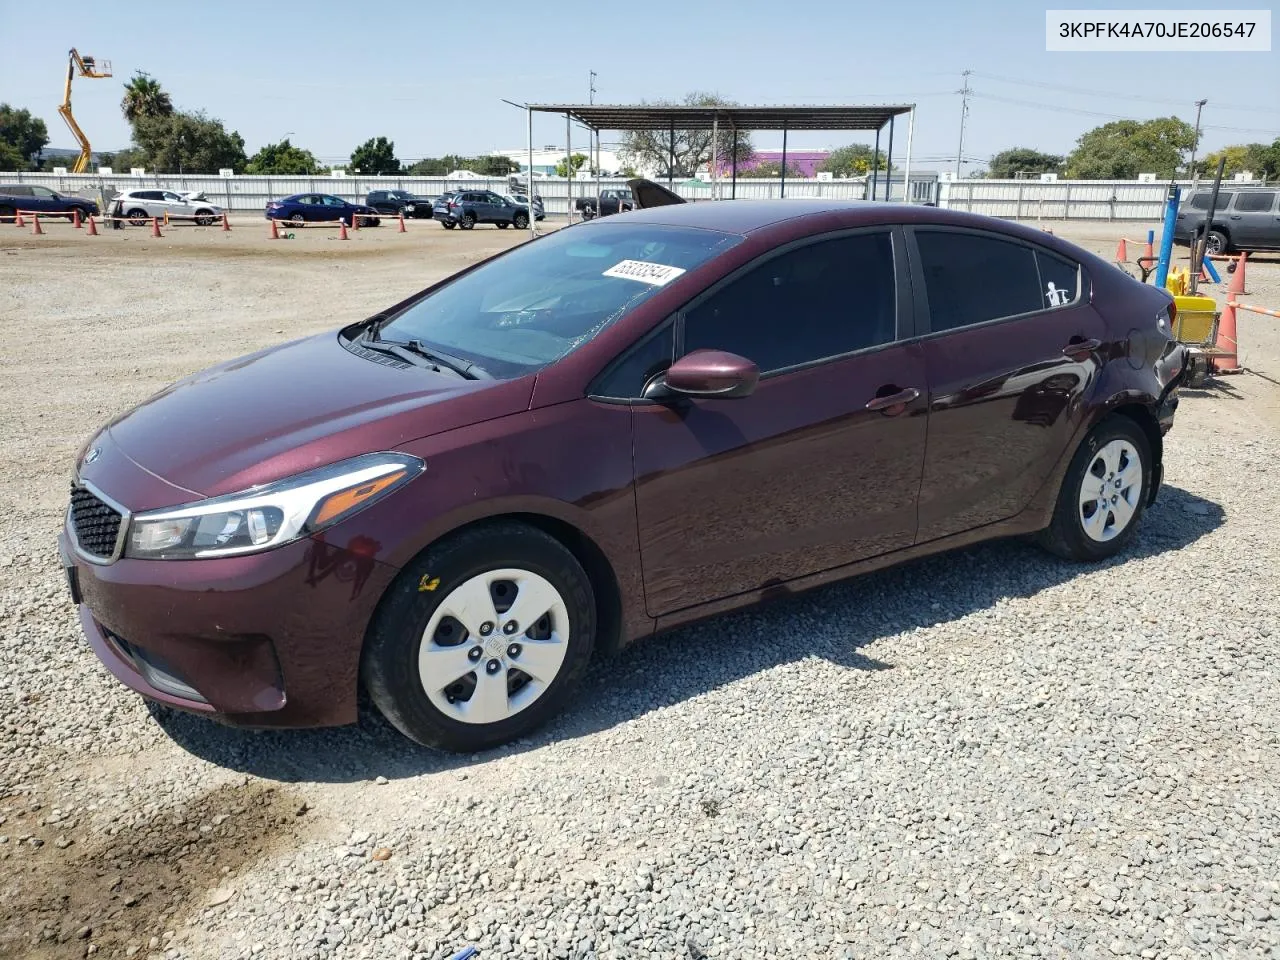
[(204, 218), (481, 639), (1103, 494), (521, 221)]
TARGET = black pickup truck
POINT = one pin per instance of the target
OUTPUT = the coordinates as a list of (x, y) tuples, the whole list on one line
[(612, 200)]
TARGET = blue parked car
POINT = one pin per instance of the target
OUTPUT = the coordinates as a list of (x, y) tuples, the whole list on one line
[(312, 207)]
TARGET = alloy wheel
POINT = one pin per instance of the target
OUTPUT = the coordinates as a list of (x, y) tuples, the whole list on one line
[(1110, 491), (493, 646)]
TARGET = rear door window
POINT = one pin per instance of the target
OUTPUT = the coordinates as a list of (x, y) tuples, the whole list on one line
[(972, 278), (1258, 201)]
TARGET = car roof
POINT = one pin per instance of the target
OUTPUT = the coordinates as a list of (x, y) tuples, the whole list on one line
[(748, 216)]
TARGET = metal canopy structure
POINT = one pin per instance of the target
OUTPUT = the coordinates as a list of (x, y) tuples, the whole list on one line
[(598, 116)]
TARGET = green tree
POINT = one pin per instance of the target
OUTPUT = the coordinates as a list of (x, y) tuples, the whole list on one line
[(1009, 164), (144, 97), (1122, 149), (283, 158), (183, 142), (693, 148), (853, 160), (773, 168), (22, 137), (1259, 159), (578, 159), (375, 157)]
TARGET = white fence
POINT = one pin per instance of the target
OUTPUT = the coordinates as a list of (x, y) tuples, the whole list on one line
[(243, 193), (1020, 199), (1062, 199)]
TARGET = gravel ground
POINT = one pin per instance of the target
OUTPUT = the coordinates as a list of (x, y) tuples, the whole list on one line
[(991, 753)]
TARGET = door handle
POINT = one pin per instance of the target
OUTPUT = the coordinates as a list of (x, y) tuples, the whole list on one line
[(1077, 347), (1235, 216), (902, 397)]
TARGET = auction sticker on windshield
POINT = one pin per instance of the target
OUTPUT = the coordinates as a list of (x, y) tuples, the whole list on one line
[(656, 274)]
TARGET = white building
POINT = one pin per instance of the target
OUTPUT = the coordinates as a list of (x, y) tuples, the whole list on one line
[(545, 159)]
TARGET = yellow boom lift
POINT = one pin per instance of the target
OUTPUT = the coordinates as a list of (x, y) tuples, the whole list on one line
[(86, 67)]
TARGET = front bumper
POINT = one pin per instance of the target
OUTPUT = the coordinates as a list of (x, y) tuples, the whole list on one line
[(268, 640)]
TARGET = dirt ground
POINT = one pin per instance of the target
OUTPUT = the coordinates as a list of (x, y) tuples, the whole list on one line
[(93, 325)]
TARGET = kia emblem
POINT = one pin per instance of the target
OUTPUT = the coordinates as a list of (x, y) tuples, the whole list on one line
[(92, 455)]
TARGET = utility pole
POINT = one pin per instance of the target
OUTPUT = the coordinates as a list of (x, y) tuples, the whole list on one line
[(1196, 142), (964, 113), (591, 99)]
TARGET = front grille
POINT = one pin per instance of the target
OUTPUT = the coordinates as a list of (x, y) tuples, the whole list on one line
[(95, 524)]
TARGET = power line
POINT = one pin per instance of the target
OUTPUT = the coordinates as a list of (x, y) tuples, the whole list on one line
[(1058, 108), (1112, 95)]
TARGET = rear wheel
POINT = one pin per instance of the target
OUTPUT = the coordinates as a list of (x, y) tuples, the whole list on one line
[(297, 220), (1103, 494), (1217, 244), (448, 224), (7, 212), (502, 224), (138, 217), (468, 221), (521, 221), (481, 639)]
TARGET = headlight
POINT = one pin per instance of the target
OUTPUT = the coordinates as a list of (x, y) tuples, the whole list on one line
[(265, 517)]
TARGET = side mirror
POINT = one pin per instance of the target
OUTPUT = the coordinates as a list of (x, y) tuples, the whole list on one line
[(711, 374)]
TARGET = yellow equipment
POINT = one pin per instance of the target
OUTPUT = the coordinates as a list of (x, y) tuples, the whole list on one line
[(87, 67)]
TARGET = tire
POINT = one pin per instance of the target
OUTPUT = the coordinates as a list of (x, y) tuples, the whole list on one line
[(137, 217), (468, 221), (205, 218), (298, 220), (8, 212), (419, 599), (1217, 243), (502, 225), (448, 224), (520, 221), (1116, 442), (588, 213)]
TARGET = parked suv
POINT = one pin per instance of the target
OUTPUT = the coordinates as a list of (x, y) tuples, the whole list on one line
[(30, 196), (139, 206), (1246, 218), (466, 208), (399, 201)]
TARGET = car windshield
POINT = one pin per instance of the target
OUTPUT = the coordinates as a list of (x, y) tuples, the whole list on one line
[(530, 307)]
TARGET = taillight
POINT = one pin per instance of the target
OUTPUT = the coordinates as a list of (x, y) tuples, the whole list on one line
[(1166, 317)]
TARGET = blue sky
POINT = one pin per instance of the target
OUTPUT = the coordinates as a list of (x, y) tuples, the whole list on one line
[(333, 74)]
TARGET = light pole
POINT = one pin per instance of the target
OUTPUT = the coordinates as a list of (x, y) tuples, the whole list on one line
[(1196, 142)]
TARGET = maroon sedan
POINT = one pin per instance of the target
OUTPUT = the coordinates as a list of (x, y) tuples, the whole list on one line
[(606, 432)]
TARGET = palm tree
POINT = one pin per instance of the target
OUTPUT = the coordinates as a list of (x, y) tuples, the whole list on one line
[(144, 97)]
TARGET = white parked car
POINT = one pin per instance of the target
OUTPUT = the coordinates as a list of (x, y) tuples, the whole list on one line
[(139, 206)]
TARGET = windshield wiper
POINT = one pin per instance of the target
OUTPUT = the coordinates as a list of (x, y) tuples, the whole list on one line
[(412, 351)]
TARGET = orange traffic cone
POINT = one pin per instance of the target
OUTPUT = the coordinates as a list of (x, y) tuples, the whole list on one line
[(275, 231), (1236, 287), (342, 228), (93, 228), (75, 218), (155, 227), (1122, 253), (1149, 254), (35, 225), (19, 221), (402, 230), (226, 227), (1227, 361)]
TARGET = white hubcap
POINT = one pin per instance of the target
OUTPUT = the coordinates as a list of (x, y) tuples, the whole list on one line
[(494, 645), (1110, 491)]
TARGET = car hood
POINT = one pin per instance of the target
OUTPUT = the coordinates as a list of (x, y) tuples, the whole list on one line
[(294, 407)]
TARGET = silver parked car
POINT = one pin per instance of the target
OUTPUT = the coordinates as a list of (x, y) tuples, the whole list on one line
[(139, 206), (522, 200)]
